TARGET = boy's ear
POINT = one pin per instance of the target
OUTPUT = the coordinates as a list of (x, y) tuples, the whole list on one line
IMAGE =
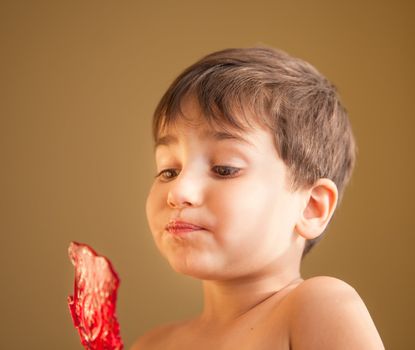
[(320, 203)]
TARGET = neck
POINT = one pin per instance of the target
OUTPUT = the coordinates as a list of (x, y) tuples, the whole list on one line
[(229, 300)]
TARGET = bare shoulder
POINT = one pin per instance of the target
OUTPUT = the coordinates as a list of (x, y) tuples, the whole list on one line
[(156, 337), (324, 292), (327, 313), (322, 286)]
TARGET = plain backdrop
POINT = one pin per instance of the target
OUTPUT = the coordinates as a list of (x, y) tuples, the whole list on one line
[(79, 81)]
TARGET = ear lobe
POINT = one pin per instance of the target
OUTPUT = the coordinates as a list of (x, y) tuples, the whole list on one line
[(321, 201)]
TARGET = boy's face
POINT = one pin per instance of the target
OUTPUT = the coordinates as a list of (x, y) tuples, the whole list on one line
[(235, 190)]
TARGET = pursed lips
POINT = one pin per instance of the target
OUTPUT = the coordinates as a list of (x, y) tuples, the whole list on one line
[(178, 227)]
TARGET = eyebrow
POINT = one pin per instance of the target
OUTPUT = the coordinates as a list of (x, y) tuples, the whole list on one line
[(216, 135), (165, 141)]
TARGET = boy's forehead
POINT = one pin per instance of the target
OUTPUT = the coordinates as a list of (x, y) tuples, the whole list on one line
[(171, 135), (191, 118)]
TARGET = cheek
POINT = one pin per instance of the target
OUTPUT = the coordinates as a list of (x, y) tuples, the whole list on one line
[(243, 205), (153, 206), (252, 208), (244, 196)]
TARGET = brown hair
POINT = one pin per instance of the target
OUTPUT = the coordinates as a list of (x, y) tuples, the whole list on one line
[(298, 104)]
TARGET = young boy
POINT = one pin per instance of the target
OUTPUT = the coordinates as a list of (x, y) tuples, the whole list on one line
[(253, 151)]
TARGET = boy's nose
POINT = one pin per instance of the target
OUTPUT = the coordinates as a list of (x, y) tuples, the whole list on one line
[(185, 191)]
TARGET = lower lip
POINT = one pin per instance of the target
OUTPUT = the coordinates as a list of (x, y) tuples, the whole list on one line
[(179, 231)]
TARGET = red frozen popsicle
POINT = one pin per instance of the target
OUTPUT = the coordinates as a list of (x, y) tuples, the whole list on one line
[(94, 301)]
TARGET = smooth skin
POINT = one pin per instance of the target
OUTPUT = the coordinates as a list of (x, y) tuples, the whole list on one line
[(248, 254)]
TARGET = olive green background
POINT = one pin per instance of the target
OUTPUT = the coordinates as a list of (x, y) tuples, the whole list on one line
[(79, 81)]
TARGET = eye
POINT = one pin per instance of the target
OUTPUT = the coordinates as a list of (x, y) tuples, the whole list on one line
[(167, 174), (225, 171)]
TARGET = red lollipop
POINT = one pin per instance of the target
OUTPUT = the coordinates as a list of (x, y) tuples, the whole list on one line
[(94, 301)]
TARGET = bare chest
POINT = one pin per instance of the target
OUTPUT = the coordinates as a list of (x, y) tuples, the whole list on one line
[(251, 334)]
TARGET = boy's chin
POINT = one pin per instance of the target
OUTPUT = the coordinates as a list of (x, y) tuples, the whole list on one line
[(205, 272), (198, 270)]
